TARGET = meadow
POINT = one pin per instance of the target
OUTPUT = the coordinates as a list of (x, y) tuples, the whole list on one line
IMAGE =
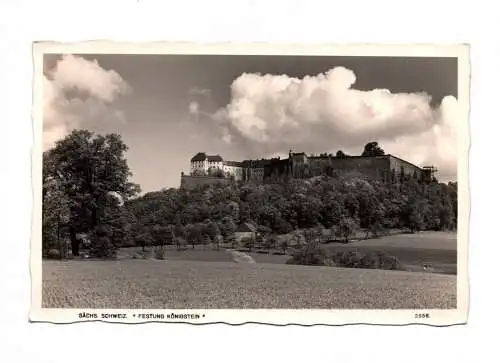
[(438, 249), (204, 277), (134, 284)]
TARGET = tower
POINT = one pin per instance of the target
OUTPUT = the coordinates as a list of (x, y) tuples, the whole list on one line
[(429, 173)]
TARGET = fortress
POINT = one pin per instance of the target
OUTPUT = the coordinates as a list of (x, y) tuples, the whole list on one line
[(209, 169)]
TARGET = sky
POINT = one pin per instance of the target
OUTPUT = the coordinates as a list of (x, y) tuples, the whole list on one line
[(169, 107)]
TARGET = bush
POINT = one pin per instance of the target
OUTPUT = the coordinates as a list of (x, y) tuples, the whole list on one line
[(307, 255), (351, 259), (329, 262), (372, 260), (53, 253), (391, 263), (160, 253), (101, 243)]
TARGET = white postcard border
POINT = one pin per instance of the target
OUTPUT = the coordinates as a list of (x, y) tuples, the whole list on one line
[(265, 316)]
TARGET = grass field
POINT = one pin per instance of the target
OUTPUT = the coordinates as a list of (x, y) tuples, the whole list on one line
[(197, 284), (185, 254), (436, 248), (413, 250), (425, 240)]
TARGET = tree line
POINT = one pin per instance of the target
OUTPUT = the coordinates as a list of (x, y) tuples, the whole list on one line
[(87, 192)]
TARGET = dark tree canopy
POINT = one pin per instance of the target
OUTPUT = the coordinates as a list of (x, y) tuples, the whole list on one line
[(373, 149), (341, 154), (90, 173)]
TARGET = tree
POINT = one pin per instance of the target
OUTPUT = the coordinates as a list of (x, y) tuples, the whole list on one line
[(87, 168), (373, 149), (160, 235), (55, 217), (144, 240), (347, 226), (281, 226), (217, 240), (270, 242), (298, 238), (102, 244), (180, 235), (248, 242), (205, 240), (212, 229), (412, 215), (231, 239), (340, 154), (371, 212), (194, 233), (227, 226), (284, 245), (311, 253)]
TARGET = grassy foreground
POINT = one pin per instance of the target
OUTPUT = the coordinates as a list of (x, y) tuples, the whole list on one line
[(174, 284)]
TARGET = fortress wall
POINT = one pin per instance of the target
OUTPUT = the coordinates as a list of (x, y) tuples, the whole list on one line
[(407, 168), (376, 168)]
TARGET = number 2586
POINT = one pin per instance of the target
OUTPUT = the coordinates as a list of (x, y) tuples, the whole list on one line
[(422, 316)]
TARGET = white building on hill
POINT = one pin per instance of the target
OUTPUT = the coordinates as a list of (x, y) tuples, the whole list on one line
[(203, 164)]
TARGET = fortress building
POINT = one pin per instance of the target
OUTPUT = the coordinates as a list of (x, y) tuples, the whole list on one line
[(386, 168), (213, 165)]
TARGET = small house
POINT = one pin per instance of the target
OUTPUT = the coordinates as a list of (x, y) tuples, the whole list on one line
[(246, 230)]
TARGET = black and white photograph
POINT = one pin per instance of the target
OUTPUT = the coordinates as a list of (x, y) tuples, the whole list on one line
[(281, 184)]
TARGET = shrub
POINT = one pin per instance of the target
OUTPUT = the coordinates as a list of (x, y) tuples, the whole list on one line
[(348, 259), (391, 263), (329, 262), (53, 253), (372, 260), (101, 243), (160, 253), (380, 260), (308, 255)]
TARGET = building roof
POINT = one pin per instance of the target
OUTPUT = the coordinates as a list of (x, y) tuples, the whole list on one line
[(246, 227), (214, 158), (246, 163), (199, 157), (232, 163)]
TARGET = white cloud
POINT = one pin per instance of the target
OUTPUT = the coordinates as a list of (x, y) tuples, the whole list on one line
[(199, 91), (193, 107), (77, 91), (323, 113)]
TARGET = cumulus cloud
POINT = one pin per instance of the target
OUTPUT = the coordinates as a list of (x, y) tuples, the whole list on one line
[(77, 91), (272, 113)]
